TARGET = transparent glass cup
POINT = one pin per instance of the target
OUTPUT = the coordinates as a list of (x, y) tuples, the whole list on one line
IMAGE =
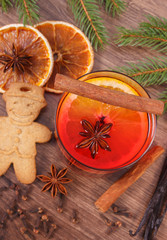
[(60, 127)]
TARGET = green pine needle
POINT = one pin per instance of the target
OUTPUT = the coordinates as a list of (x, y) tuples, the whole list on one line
[(163, 97), (152, 33), (139, 37), (155, 24), (5, 4), (28, 11), (87, 14), (113, 7), (148, 72)]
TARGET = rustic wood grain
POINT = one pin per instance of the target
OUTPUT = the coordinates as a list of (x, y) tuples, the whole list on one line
[(86, 188)]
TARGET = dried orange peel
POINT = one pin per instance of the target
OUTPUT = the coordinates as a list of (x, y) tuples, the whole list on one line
[(25, 56), (72, 51)]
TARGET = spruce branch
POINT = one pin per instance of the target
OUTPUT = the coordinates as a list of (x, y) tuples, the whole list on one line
[(152, 33), (87, 14), (28, 11), (151, 71), (5, 4), (155, 24), (113, 7), (139, 37)]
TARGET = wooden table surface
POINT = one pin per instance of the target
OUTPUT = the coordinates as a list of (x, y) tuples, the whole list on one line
[(86, 188)]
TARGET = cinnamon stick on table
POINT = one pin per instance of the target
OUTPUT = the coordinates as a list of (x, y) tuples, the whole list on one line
[(120, 186), (109, 96)]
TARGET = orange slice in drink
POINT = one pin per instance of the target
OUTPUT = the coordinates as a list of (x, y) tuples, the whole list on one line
[(128, 134), (25, 56), (72, 51)]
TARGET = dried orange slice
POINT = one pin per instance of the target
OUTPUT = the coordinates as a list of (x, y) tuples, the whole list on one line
[(25, 56), (72, 51)]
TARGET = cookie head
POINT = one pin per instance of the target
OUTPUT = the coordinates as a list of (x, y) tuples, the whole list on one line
[(24, 102)]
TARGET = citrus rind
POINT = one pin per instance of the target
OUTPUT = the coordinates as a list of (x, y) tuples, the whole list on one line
[(87, 67), (42, 81)]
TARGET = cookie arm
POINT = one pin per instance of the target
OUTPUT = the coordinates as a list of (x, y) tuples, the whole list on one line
[(42, 133)]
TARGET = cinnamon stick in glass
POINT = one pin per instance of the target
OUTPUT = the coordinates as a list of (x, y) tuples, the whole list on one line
[(120, 186), (108, 96)]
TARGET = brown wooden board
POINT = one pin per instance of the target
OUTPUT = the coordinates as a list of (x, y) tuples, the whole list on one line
[(86, 188)]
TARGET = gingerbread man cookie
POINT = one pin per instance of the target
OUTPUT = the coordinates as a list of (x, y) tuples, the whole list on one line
[(19, 133)]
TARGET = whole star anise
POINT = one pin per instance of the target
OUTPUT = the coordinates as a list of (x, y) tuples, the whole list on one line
[(55, 181), (17, 59), (95, 136)]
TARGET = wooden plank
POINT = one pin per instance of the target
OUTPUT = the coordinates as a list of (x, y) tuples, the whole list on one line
[(86, 188)]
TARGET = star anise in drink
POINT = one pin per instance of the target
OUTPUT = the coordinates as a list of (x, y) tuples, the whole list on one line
[(18, 59), (95, 136), (55, 181)]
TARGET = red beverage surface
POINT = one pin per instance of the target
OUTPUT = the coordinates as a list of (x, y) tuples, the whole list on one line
[(127, 135)]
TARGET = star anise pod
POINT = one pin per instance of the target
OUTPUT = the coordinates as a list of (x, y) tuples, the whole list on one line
[(55, 181), (17, 59), (95, 136)]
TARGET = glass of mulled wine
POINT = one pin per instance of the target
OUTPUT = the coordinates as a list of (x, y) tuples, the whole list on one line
[(99, 137)]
